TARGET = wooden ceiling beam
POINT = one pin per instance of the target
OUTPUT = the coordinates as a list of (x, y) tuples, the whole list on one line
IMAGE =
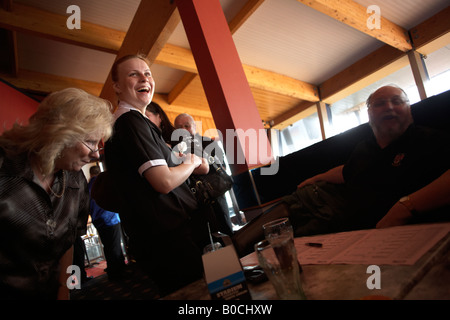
[(8, 53), (357, 74), (162, 100), (181, 85), (433, 33), (152, 25), (176, 57), (43, 83), (278, 83), (53, 26), (355, 15), (245, 13)]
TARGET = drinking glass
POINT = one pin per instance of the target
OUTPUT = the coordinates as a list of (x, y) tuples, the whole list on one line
[(280, 235), (278, 228), (279, 262)]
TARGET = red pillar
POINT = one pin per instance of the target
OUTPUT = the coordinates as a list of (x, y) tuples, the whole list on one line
[(227, 90)]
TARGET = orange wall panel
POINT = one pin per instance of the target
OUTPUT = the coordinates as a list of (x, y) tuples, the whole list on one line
[(14, 106)]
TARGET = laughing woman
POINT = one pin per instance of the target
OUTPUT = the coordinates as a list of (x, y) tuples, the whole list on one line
[(44, 198), (159, 213)]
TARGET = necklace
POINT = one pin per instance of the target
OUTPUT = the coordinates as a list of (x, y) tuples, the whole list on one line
[(63, 186)]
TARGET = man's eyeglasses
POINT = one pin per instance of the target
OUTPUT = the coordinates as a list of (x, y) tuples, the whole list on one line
[(92, 150), (396, 101)]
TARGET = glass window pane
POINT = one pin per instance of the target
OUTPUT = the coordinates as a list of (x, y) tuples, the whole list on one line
[(301, 134), (438, 67)]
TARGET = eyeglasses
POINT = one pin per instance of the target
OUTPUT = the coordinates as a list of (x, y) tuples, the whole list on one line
[(92, 150), (396, 101)]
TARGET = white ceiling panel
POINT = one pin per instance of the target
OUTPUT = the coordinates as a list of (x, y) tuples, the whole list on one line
[(62, 59), (311, 45), (407, 13), (114, 14)]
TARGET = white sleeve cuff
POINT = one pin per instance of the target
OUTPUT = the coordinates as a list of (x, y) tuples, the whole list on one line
[(151, 163)]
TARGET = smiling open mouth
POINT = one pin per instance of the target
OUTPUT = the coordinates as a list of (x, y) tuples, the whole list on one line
[(144, 89)]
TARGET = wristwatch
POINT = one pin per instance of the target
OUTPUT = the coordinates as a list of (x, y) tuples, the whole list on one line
[(406, 201)]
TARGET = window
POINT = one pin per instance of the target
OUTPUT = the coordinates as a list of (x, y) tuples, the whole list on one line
[(351, 111), (299, 135), (438, 66)]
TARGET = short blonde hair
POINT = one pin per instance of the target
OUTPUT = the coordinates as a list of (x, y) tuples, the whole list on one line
[(115, 67), (63, 118)]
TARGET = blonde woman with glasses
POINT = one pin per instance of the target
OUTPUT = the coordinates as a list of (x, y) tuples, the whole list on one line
[(44, 199)]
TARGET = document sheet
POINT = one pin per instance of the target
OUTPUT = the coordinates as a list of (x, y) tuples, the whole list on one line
[(403, 245)]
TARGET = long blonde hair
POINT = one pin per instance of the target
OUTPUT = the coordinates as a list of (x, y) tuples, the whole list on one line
[(63, 118)]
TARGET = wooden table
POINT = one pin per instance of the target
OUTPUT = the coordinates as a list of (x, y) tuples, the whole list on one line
[(427, 278)]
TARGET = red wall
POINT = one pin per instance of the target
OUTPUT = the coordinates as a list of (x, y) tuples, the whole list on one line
[(14, 106)]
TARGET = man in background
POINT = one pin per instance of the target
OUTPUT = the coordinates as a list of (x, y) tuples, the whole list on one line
[(220, 206), (399, 175)]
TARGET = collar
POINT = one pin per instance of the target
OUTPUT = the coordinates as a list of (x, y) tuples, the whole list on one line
[(124, 107)]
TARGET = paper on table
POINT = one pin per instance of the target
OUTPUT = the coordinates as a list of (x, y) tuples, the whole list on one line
[(332, 246), (402, 245), (394, 246)]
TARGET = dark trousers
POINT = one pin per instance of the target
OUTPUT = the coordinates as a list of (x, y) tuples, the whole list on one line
[(111, 237), (79, 255), (172, 260)]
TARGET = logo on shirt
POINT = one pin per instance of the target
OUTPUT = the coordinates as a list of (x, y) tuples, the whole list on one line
[(398, 160)]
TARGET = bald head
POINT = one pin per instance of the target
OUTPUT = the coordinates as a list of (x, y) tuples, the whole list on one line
[(185, 121), (389, 113)]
